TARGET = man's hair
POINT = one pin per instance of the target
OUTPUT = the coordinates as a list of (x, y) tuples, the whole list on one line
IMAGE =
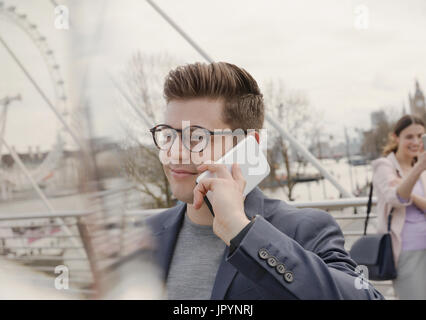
[(243, 101)]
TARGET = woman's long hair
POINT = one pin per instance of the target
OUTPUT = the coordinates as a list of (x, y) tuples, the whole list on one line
[(404, 122)]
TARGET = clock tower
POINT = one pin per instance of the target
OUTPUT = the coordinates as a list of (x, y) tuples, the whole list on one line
[(417, 102)]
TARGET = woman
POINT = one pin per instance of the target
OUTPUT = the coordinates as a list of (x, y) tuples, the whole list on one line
[(399, 179)]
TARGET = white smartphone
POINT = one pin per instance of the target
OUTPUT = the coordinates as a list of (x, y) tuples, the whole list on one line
[(251, 160), (424, 141)]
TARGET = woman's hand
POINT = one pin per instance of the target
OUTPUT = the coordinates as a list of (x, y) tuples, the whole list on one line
[(406, 186), (421, 160)]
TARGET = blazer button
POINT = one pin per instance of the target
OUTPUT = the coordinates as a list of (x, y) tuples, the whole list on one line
[(280, 268), (272, 261), (288, 276), (263, 254)]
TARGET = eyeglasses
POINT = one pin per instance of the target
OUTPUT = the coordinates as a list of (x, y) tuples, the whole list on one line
[(194, 138)]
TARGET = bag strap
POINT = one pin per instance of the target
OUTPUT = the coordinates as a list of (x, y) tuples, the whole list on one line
[(369, 204), (370, 201), (390, 219)]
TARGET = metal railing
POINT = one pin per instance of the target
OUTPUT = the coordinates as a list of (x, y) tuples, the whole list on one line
[(38, 241), (92, 242)]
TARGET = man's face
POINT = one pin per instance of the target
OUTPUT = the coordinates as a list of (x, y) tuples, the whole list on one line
[(181, 165)]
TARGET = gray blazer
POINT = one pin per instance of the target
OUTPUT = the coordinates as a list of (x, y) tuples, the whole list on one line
[(288, 253)]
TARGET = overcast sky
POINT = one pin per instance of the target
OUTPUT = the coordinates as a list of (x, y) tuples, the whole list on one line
[(346, 66)]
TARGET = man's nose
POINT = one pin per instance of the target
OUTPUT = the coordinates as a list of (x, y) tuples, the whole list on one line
[(178, 153)]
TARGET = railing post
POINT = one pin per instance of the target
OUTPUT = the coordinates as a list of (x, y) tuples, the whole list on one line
[(90, 253)]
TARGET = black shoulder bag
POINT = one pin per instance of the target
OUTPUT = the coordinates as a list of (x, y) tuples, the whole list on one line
[(375, 250)]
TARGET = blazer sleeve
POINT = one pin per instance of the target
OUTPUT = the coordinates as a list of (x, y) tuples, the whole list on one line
[(320, 269), (386, 181)]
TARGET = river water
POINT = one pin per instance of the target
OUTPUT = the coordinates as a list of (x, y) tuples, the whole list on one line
[(351, 178)]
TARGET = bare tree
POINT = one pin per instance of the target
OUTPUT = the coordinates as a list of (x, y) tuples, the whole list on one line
[(292, 110), (141, 163), (143, 80)]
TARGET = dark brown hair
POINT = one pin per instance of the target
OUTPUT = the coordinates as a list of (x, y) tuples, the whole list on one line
[(404, 122), (243, 101)]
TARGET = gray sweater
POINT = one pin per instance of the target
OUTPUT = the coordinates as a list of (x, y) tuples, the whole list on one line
[(195, 262)]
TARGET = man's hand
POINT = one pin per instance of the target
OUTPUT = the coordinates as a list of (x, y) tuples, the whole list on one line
[(226, 198)]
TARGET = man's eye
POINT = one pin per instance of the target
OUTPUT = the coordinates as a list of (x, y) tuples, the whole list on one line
[(167, 137)]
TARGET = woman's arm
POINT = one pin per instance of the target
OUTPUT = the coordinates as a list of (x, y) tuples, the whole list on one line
[(419, 202), (407, 184), (386, 182), (394, 189)]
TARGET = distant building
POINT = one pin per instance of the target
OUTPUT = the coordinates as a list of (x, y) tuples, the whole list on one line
[(30, 159), (377, 117), (417, 102)]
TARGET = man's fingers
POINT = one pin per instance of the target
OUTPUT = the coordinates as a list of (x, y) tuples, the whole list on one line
[(220, 169), (201, 190), (237, 175)]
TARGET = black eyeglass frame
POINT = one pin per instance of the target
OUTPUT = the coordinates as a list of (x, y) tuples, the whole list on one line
[(153, 130)]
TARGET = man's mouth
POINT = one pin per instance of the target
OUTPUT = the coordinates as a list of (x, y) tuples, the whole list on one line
[(182, 173)]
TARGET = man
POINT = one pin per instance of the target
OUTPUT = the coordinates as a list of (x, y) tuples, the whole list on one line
[(253, 247)]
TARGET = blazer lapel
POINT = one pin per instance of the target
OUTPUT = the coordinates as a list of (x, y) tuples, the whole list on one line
[(224, 276), (167, 236), (253, 205)]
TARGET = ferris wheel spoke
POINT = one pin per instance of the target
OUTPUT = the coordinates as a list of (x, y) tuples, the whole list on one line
[(42, 94)]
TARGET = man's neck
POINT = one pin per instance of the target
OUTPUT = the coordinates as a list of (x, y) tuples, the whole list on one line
[(201, 216)]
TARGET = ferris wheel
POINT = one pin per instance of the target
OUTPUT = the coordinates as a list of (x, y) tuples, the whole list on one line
[(58, 104)]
